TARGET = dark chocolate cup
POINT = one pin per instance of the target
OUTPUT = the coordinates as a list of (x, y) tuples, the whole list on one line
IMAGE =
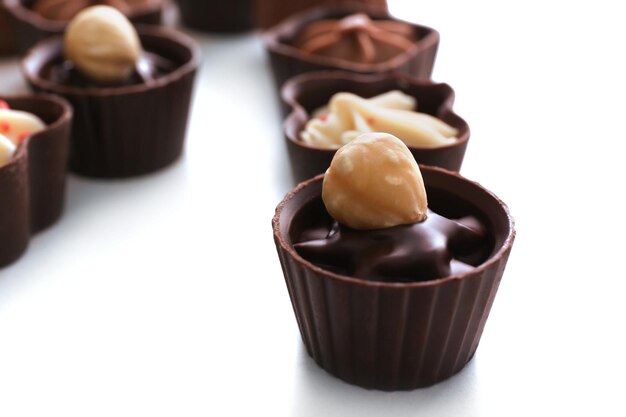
[(217, 16), (29, 27), (272, 12), (393, 336), (6, 34), (305, 93), (288, 61), (125, 131), (14, 211), (32, 185)]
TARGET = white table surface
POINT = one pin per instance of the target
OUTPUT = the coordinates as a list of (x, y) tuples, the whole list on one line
[(163, 295)]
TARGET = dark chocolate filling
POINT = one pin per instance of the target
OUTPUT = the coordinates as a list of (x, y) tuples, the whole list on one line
[(435, 248), (150, 67)]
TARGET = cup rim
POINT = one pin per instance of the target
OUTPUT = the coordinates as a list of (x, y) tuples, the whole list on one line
[(19, 11), (274, 38), (492, 262), (144, 31), (65, 117)]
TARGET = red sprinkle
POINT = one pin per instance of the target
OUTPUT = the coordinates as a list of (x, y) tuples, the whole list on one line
[(5, 127), (23, 136), (323, 117), (370, 120), (4, 105)]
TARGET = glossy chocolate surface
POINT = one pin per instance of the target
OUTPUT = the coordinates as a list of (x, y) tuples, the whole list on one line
[(149, 68), (435, 248)]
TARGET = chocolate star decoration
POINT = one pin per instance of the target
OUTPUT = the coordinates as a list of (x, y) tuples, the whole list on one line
[(435, 248), (357, 38)]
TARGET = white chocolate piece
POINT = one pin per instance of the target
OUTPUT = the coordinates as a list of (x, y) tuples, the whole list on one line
[(103, 44), (394, 99), (373, 183), (7, 149), (17, 125), (349, 115)]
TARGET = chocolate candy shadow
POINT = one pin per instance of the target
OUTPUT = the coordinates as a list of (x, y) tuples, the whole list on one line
[(307, 92), (125, 131), (29, 28), (393, 336), (217, 16), (287, 60), (32, 185)]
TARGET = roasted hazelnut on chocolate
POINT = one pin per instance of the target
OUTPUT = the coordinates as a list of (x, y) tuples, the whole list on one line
[(374, 182), (102, 44), (383, 229)]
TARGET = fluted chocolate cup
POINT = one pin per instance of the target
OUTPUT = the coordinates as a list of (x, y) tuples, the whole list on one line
[(272, 12), (14, 210), (30, 28), (288, 61), (6, 34), (131, 130), (32, 184), (393, 336), (218, 16), (305, 93)]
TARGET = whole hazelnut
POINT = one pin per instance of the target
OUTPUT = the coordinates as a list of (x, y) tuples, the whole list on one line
[(374, 182), (103, 44)]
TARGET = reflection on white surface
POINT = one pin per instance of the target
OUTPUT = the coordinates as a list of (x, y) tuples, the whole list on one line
[(163, 295)]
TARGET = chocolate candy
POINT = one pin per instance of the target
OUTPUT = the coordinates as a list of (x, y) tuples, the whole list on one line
[(32, 182), (293, 52), (349, 115), (305, 94), (357, 38), (395, 335), (119, 129)]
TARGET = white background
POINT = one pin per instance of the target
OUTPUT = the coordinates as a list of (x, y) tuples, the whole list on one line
[(163, 295)]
